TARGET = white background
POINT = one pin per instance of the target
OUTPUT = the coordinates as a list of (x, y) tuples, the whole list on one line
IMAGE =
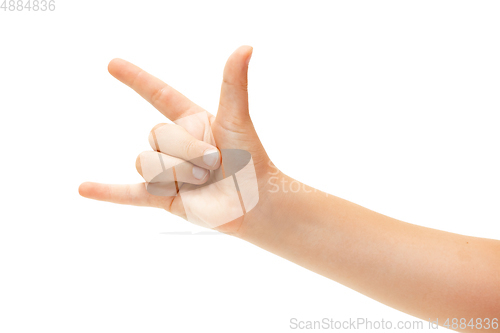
[(390, 104)]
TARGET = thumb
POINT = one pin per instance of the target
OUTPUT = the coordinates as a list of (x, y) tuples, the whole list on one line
[(233, 104)]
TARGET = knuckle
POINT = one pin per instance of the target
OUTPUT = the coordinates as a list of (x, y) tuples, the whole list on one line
[(158, 94), (154, 135), (239, 85), (190, 148), (136, 79), (138, 165), (157, 127)]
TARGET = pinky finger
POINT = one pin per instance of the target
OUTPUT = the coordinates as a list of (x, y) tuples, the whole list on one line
[(127, 194)]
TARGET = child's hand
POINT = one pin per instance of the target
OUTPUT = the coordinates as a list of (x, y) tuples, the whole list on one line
[(425, 272), (194, 137)]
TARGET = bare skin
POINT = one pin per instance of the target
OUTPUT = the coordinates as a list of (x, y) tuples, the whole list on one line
[(428, 273)]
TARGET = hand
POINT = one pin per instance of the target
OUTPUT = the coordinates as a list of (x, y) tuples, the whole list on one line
[(190, 139), (425, 272)]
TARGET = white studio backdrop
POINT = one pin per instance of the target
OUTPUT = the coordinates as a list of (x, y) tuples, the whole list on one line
[(390, 104)]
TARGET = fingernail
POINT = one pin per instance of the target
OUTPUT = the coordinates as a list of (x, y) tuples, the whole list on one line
[(199, 173), (210, 157)]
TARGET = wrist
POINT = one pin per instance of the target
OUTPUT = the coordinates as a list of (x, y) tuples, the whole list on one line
[(285, 207)]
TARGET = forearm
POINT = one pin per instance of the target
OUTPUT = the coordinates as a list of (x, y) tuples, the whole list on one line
[(424, 272)]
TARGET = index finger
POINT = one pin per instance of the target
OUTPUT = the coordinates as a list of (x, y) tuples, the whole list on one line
[(163, 97)]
